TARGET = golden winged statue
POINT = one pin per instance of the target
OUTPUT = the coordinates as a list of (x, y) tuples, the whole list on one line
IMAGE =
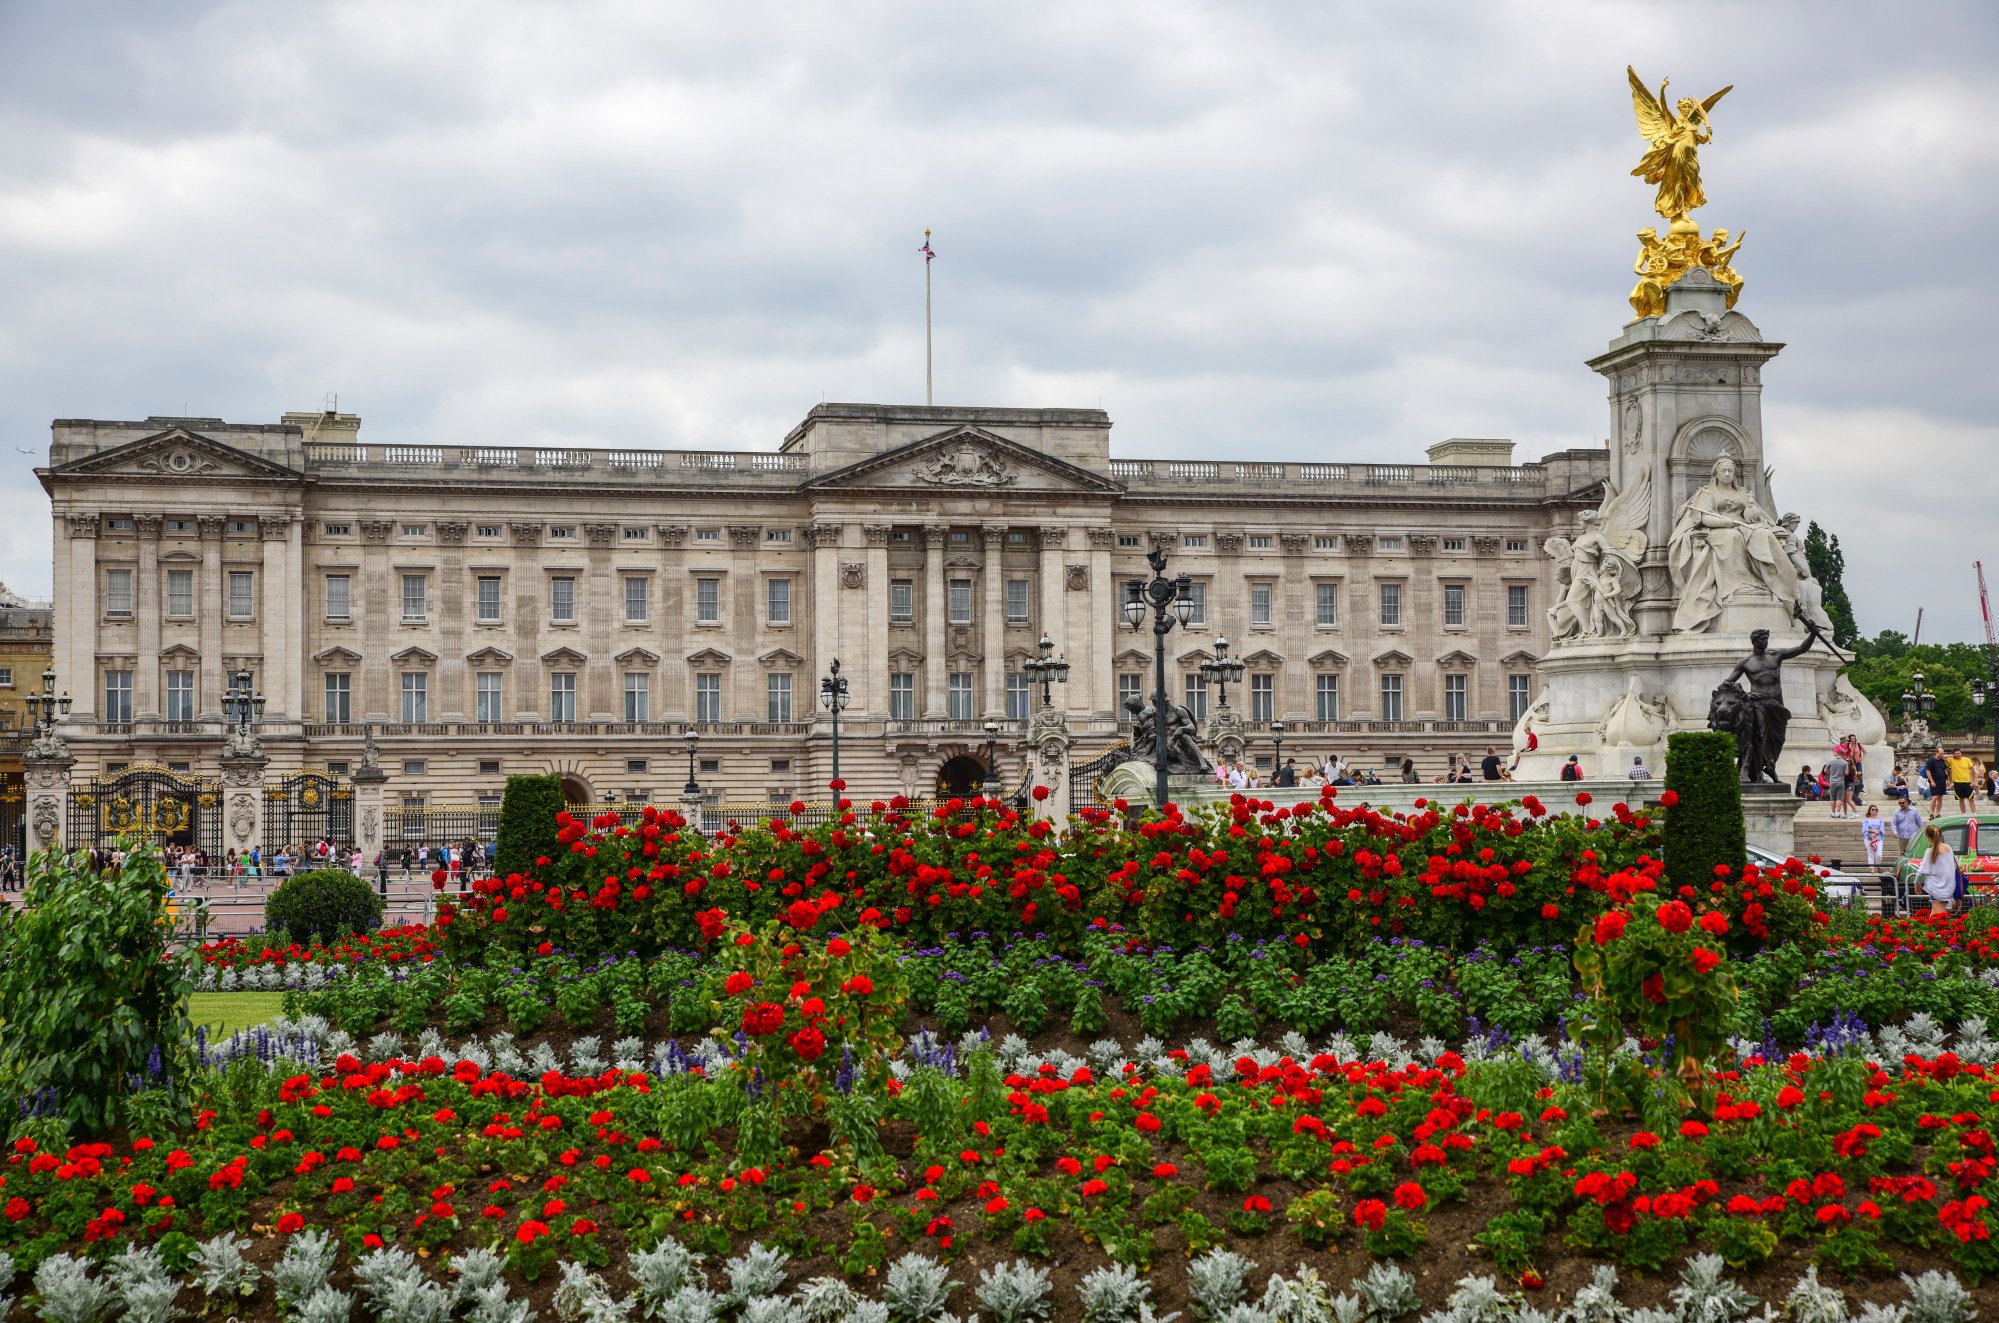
[(1674, 161)]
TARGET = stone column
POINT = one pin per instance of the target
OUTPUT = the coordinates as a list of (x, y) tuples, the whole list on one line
[(1053, 543), (146, 611), (993, 635), (1048, 742), (377, 697), (45, 775), (601, 595), (746, 685), (454, 609), (1295, 623), (77, 610), (1104, 604), (873, 701), (934, 537), (208, 703), (243, 799), (278, 620), (823, 540)]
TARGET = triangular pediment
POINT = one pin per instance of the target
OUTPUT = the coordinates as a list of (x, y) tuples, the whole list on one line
[(178, 652), (709, 657), (780, 657), (181, 454), (902, 659), (1194, 656), (1263, 659), (637, 657), (564, 657), (967, 459), (422, 656), (489, 657), (337, 655), (1326, 659), (1392, 657), (1457, 657), (1130, 657), (1519, 658)]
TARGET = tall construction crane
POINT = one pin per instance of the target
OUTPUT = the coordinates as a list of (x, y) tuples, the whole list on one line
[(1985, 606), (1987, 690)]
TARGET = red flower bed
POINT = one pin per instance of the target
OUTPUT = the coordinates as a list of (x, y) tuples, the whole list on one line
[(414, 943)]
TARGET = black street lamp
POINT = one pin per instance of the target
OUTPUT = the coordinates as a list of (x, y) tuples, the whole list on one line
[(1168, 601), (833, 697), (1980, 691), (692, 790), (1277, 758), (1047, 668), (1223, 670), (1917, 701), (992, 752), (241, 704), (42, 707)]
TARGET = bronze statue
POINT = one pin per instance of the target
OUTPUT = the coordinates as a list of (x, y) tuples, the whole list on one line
[(1183, 744), (1758, 718), (1674, 161)]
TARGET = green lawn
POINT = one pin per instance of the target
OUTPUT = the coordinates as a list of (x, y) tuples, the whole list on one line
[(226, 1012)]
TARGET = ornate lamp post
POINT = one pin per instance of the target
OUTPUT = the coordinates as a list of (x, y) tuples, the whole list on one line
[(242, 706), (1277, 757), (1916, 705), (833, 696), (1222, 671), (43, 707), (1980, 690), (992, 751), (692, 790), (1167, 601), (1047, 668)]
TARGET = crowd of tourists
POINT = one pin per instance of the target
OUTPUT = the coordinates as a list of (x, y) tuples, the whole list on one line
[(462, 862)]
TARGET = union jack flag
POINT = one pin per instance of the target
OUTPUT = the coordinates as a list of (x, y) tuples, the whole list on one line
[(926, 251)]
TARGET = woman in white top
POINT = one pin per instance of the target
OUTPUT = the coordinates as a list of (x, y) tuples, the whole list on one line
[(1938, 869)]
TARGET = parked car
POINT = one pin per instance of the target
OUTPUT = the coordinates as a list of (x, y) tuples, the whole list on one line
[(1979, 862), (1834, 884)]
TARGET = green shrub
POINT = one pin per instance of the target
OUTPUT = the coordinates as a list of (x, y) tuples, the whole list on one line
[(527, 823), (90, 989), (317, 906), (1704, 826)]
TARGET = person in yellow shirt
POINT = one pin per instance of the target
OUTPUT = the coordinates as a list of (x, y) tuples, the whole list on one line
[(1960, 779)]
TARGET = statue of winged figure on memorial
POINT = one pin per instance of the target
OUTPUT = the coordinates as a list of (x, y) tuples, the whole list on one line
[(1676, 135), (1596, 572)]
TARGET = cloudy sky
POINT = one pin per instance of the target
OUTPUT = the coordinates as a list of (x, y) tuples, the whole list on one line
[(1310, 231)]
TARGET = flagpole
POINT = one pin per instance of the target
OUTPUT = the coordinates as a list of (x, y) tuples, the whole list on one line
[(927, 394)]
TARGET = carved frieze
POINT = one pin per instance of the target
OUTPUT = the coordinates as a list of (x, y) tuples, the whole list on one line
[(1294, 544), (934, 535), (525, 535), (1078, 578), (877, 534), (854, 574), (1053, 539), (82, 525), (274, 527), (381, 530), (211, 526), (451, 532), (1358, 544), (1167, 538), (671, 535), (818, 536), (148, 525), (1485, 544), (601, 535), (745, 535), (966, 466), (1103, 539), (1229, 544), (1422, 544)]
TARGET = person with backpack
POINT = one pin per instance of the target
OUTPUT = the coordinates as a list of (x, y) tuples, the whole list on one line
[(1572, 770)]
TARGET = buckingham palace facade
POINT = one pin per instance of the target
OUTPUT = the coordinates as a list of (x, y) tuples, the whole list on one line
[(486, 610)]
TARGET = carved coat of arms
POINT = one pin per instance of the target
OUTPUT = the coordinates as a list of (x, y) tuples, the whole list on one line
[(967, 466)]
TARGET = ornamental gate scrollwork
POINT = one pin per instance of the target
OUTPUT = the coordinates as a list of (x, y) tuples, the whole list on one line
[(14, 812), (306, 807), (150, 802)]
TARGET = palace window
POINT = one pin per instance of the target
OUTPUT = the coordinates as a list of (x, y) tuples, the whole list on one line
[(339, 530), (1198, 592), (243, 527), (1391, 604), (1259, 603), (339, 597), (1455, 695), (416, 696), (416, 594), (490, 531), (1128, 688), (708, 698), (180, 592), (1516, 544), (707, 535), (180, 696), (1326, 604), (777, 598), (638, 534), (414, 767), (1017, 697), (488, 594), (1262, 542), (707, 601), (959, 597), (777, 697), (1454, 544), (901, 601), (562, 533), (1516, 606), (339, 698), (488, 701), (638, 696), (1197, 695), (562, 695), (1326, 697), (416, 530), (901, 696), (242, 594), (638, 599), (1516, 697), (1454, 606), (1326, 543), (117, 592), (1262, 697), (1391, 698), (1016, 601), (1391, 543), (777, 535), (1196, 541), (959, 696), (562, 600), (489, 767), (1130, 540)]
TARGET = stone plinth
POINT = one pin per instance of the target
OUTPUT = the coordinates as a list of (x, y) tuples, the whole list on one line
[(1770, 818)]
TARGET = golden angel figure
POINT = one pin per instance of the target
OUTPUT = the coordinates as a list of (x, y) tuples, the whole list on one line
[(1674, 161)]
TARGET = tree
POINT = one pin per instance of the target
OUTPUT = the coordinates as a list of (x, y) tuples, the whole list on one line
[(1828, 564), (527, 823), (1884, 668)]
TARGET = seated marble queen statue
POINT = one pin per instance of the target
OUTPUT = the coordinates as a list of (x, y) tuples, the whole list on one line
[(1723, 545)]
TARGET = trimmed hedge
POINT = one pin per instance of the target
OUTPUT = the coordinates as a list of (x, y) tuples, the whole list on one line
[(1705, 828), (527, 823), (318, 905)]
